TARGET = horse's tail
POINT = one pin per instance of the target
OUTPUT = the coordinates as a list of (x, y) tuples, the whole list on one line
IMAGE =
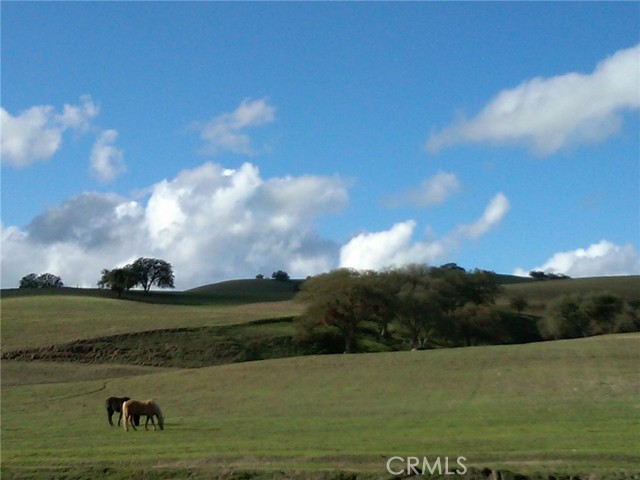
[(125, 414), (159, 415)]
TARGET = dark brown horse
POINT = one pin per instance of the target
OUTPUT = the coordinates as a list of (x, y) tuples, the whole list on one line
[(114, 405), (151, 409)]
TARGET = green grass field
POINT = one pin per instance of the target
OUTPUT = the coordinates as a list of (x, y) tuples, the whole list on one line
[(563, 408), (32, 321), (539, 294)]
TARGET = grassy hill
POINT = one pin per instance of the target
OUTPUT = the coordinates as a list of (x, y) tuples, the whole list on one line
[(183, 347), (565, 407), (46, 319), (249, 290), (540, 292), (63, 316), (230, 292), (561, 408), (236, 292)]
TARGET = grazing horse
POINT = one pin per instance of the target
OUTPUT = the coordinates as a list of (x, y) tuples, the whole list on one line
[(131, 408), (114, 405)]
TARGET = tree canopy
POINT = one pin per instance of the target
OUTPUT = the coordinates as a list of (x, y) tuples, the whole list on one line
[(425, 302), (144, 272), (118, 280), (575, 315), (280, 275), (46, 280), (152, 271)]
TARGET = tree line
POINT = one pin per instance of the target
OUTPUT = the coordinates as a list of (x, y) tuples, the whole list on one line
[(576, 315), (46, 280), (445, 306), (426, 305), (144, 273), (423, 306)]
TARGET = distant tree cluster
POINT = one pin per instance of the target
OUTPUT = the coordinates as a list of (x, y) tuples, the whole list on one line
[(46, 280), (576, 315), (280, 275), (144, 272), (539, 275), (446, 304)]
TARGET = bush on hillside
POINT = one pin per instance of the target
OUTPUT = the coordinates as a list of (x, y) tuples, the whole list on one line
[(518, 302), (575, 315), (46, 280), (280, 275)]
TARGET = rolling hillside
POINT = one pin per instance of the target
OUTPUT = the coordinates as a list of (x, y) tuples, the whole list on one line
[(626, 287), (551, 408), (565, 407)]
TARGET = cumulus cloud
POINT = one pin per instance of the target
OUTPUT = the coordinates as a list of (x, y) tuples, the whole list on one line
[(106, 160), (387, 248), (493, 214), (227, 132), (75, 240), (209, 222), (599, 259), (548, 114), (432, 191), (78, 117), (36, 133), (396, 246)]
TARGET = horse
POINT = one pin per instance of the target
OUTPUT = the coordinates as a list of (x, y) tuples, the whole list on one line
[(114, 405), (131, 408)]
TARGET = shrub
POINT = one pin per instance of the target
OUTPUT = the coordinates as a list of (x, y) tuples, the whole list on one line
[(280, 275), (46, 280), (573, 316)]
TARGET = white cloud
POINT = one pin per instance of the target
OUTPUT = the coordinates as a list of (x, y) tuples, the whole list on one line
[(396, 246), (432, 191), (209, 222), (78, 117), (226, 132), (549, 114), (28, 137), (599, 259), (36, 133), (107, 161), (379, 249), (493, 214)]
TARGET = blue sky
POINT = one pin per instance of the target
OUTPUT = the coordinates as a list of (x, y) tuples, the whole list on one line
[(232, 139)]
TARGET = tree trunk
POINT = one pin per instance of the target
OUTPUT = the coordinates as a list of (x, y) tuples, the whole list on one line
[(348, 340)]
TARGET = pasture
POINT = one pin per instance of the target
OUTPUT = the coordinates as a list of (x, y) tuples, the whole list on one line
[(567, 406), (539, 294), (32, 321), (563, 408)]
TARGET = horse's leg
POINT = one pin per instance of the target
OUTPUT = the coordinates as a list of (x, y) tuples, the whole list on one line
[(109, 415), (146, 424), (120, 417), (133, 424)]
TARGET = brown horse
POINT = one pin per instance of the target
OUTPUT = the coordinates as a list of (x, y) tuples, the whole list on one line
[(131, 408), (114, 405)]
